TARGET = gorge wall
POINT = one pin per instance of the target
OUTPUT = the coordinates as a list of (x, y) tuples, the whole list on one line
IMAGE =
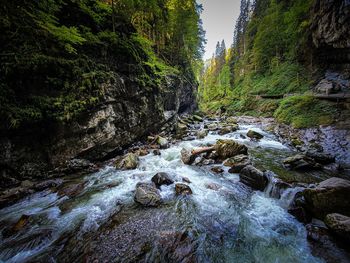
[(80, 80)]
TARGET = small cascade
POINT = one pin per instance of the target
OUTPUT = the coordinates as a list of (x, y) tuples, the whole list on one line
[(278, 189)]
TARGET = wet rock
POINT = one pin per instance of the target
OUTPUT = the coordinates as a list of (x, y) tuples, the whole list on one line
[(186, 180), (18, 226), (189, 138), (78, 165), (323, 245), (339, 224), (329, 196), (187, 157), (320, 157), (156, 152), (182, 189), (72, 190), (162, 179), (237, 163), (201, 134), (228, 129), (217, 169), (253, 178), (162, 142), (254, 135), (48, 184), (212, 127), (213, 186), (301, 162), (147, 195), (177, 246), (127, 162), (10, 196), (229, 148)]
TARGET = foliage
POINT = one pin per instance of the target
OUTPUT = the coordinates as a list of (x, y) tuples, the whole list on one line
[(58, 56), (305, 111), (265, 60)]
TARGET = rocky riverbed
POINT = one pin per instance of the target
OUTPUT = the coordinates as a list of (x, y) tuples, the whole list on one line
[(213, 190)]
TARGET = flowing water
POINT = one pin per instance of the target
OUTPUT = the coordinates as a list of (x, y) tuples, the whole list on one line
[(229, 224)]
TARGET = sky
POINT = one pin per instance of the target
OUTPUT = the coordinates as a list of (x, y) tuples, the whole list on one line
[(219, 19)]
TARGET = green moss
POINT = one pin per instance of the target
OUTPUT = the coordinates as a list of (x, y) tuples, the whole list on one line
[(305, 111)]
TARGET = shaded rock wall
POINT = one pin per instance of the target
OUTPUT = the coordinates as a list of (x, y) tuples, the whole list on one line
[(127, 113), (330, 33)]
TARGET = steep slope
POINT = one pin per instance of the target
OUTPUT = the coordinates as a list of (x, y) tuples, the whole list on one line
[(285, 57), (80, 80)]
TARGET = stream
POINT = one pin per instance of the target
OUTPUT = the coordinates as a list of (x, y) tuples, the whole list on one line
[(230, 223)]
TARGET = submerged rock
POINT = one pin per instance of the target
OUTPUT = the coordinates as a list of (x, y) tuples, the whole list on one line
[(18, 226), (339, 224), (72, 190), (156, 152), (329, 196), (162, 179), (147, 194), (186, 180), (182, 189), (253, 177), (217, 169), (127, 162), (213, 186), (229, 148), (254, 135)]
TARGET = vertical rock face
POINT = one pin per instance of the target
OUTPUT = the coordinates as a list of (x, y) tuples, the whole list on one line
[(127, 113), (330, 31)]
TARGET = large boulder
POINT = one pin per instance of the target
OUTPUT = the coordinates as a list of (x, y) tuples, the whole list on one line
[(229, 148), (147, 194), (253, 177), (127, 162), (301, 162), (329, 196), (182, 189), (254, 135), (339, 224), (162, 179)]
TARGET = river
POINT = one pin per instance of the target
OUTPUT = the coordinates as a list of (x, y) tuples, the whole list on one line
[(230, 223)]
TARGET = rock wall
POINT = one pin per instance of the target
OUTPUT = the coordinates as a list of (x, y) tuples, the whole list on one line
[(127, 113), (330, 33)]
